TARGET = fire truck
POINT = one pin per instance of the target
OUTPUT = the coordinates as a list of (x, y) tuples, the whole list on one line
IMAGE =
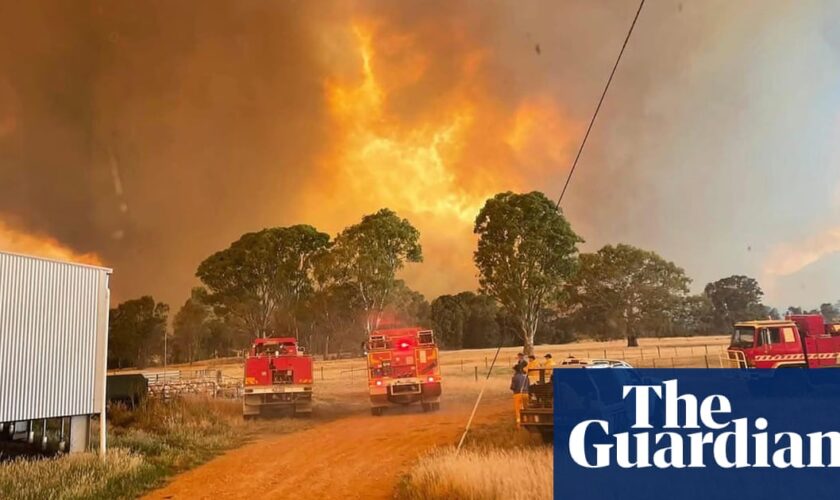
[(785, 343), (403, 369), (278, 378)]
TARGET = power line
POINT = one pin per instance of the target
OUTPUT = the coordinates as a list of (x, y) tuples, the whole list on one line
[(565, 186), (600, 102)]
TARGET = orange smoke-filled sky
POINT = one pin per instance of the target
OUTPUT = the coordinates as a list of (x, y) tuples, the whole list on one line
[(151, 135)]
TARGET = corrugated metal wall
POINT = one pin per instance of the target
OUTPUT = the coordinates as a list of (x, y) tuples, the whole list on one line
[(53, 338)]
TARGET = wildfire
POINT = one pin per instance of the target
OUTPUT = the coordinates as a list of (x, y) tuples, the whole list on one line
[(448, 161), (402, 167), (424, 134), (17, 241)]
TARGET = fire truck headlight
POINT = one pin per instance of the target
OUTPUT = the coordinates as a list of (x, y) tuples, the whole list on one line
[(431, 379), (378, 382)]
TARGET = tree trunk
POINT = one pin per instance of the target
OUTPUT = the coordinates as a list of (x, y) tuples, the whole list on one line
[(632, 340), (528, 345), (528, 342)]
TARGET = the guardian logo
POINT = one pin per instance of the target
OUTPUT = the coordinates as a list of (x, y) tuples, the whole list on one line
[(696, 434), (733, 442)]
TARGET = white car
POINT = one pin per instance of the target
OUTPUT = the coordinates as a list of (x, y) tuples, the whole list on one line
[(595, 363)]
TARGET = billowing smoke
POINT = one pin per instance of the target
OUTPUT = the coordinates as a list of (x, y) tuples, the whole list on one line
[(153, 134)]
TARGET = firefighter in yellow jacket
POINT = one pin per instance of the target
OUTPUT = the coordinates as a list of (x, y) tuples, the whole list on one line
[(533, 364), (549, 362)]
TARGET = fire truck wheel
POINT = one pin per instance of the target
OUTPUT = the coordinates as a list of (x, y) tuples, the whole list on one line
[(249, 417), (377, 411)]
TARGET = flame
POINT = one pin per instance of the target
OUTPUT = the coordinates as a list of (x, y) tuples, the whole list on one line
[(538, 133), (17, 241), (434, 152), (397, 166)]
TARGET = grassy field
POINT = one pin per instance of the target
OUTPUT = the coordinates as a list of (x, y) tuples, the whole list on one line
[(161, 439), (496, 462), (500, 462), (652, 352), (146, 446)]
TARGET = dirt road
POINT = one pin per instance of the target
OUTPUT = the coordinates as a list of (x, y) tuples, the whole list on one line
[(357, 456)]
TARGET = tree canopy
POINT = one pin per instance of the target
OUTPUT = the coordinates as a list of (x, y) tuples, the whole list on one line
[(136, 330), (261, 279), (625, 291), (368, 255), (736, 298), (830, 311), (526, 253), (465, 320)]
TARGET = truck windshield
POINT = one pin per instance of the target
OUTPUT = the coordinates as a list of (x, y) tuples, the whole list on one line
[(743, 337)]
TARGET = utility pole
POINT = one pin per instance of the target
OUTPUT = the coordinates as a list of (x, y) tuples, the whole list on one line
[(164, 355)]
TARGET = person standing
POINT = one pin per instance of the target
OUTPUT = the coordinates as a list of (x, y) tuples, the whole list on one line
[(532, 369), (521, 362), (519, 386), (549, 362)]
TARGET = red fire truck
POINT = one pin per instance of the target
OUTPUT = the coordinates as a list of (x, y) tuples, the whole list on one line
[(403, 369), (785, 343), (278, 377)]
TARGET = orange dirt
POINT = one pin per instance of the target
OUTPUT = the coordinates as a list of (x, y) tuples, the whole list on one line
[(358, 456)]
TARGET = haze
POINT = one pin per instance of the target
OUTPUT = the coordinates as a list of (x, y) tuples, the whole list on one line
[(146, 136)]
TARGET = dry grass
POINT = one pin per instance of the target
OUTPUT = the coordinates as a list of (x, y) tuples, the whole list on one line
[(74, 477), (476, 473), (665, 352), (163, 438), (147, 445), (497, 462)]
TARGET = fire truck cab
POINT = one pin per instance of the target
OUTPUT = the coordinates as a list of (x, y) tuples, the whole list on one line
[(785, 343), (278, 377), (403, 369)]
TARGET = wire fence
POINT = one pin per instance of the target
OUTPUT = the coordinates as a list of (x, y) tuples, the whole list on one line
[(694, 356), (229, 383), (213, 383)]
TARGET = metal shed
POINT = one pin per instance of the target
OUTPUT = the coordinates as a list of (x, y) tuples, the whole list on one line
[(53, 344)]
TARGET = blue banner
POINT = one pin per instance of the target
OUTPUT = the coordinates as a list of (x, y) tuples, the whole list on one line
[(696, 434)]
